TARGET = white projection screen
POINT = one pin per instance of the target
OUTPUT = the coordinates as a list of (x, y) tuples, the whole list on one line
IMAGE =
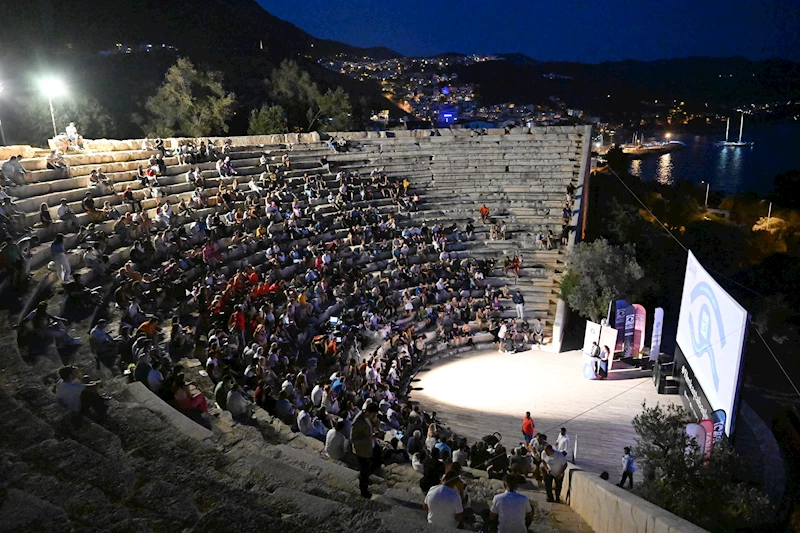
[(712, 327)]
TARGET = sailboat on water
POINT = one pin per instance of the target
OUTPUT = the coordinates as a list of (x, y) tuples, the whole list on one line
[(734, 144)]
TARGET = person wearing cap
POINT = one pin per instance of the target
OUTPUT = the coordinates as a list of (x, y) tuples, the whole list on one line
[(365, 445), (511, 511), (443, 503)]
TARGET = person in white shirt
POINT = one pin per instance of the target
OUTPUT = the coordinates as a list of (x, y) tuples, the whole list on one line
[(562, 442), (554, 465), (416, 464), (316, 395), (511, 510), (238, 404), (336, 444), (443, 503)]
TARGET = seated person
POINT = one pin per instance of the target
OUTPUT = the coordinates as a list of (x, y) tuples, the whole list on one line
[(79, 395), (46, 325), (56, 161), (104, 346)]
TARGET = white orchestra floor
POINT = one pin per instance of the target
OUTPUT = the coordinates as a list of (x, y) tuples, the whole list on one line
[(477, 393)]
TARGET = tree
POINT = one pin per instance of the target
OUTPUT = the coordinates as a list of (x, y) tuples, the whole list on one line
[(336, 113), (32, 123), (267, 120), (597, 273), (190, 102), (293, 89), (306, 106), (682, 480)]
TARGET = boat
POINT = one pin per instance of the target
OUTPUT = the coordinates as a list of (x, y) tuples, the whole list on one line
[(734, 144)]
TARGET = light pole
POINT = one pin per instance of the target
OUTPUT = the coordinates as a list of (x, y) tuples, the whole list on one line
[(2, 134), (51, 87), (708, 186)]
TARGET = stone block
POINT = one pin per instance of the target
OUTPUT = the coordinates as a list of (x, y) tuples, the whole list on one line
[(183, 424)]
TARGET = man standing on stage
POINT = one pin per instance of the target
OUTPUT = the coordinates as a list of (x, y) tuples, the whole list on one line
[(527, 428)]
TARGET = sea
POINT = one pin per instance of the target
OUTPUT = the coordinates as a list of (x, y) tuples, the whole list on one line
[(730, 170)]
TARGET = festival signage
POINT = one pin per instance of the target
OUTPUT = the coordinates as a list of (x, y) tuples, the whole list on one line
[(712, 329), (592, 335), (639, 324), (658, 326), (630, 326), (619, 323)]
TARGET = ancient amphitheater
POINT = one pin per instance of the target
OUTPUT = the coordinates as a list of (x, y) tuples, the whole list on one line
[(148, 467)]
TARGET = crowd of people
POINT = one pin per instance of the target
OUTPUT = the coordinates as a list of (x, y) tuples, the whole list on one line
[(304, 299)]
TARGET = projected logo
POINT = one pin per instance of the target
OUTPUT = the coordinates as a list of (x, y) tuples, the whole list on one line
[(705, 326)]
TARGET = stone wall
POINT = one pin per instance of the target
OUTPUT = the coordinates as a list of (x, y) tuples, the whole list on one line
[(26, 151), (110, 145), (610, 509)]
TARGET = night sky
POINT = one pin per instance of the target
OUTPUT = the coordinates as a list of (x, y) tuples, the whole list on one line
[(559, 30)]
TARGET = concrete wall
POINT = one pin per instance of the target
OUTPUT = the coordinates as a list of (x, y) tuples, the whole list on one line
[(607, 508)]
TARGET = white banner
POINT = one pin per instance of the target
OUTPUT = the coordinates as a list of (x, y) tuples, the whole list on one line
[(592, 335)]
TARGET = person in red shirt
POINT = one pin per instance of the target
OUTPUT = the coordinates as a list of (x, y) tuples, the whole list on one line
[(484, 211), (527, 428), (237, 323)]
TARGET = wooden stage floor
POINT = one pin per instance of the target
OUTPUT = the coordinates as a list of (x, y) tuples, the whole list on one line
[(477, 393)]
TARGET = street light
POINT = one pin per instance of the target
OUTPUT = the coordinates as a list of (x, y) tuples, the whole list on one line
[(52, 87)]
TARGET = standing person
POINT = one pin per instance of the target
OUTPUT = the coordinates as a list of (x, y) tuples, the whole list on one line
[(519, 303), (602, 364), (562, 442), (528, 428), (594, 353), (510, 510), (443, 503), (554, 466), (628, 468), (58, 253), (364, 444)]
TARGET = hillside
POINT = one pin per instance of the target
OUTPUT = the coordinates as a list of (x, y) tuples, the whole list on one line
[(237, 37), (600, 87)]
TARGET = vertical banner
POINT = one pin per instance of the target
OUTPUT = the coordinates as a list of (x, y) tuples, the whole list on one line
[(591, 336), (639, 325), (608, 336), (658, 327), (708, 425), (699, 433), (630, 325), (619, 323)]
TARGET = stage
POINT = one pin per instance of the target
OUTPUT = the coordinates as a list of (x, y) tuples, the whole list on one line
[(477, 393)]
